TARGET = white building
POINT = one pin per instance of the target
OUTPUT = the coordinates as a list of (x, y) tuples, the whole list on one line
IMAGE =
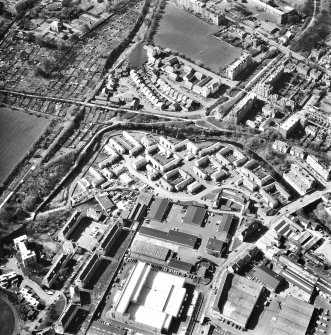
[(149, 300), (28, 256)]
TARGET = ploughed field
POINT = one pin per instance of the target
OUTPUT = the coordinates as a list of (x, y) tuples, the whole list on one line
[(7, 319), (18, 132), (189, 35)]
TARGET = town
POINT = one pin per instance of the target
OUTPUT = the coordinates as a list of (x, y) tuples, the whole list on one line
[(172, 174)]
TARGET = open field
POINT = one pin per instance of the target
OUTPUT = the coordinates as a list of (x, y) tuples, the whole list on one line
[(185, 33), (18, 132), (7, 319)]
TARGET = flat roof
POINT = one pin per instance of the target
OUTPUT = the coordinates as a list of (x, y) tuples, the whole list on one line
[(172, 236), (180, 265), (294, 317), (194, 215), (150, 250), (158, 209), (100, 328), (145, 198), (241, 298), (215, 245), (151, 297), (268, 277), (225, 224)]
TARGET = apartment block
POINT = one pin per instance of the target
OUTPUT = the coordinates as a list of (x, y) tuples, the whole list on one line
[(241, 109), (28, 256), (319, 166), (238, 66)]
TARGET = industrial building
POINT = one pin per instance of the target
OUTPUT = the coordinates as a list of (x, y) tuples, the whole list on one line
[(236, 299), (293, 318), (270, 279), (149, 300), (195, 215), (158, 209)]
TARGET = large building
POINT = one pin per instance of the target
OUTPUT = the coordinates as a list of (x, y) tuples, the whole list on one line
[(28, 256), (294, 317), (280, 14), (149, 300), (322, 168), (158, 209), (238, 66), (236, 299), (241, 109), (300, 179)]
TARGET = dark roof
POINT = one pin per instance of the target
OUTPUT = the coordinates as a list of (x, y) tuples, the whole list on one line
[(99, 328), (69, 312), (225, 224), (215, 245), (268, 277), (180, 265), (171, 236), (158, 209), (195, 215)]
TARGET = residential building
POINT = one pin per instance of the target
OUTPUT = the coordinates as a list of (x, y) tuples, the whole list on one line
[(288, 127), (319, 166), (238, 66), (70, 226), (87, 271), (298, 152), (300, 179), (28, 256), (280, 146), (240, 111)]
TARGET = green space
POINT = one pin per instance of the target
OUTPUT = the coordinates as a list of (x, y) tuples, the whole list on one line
[(7, 319), (189, 35), (18, 132)]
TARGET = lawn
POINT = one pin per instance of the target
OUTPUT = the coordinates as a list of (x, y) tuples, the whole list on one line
[(189, 35), (7, 319), (18, 132)]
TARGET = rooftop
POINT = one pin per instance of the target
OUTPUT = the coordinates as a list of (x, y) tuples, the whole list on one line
[(194, 215)]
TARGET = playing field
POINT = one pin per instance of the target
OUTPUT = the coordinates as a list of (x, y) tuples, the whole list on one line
[(7, 319), (189, 35), (18, 132)]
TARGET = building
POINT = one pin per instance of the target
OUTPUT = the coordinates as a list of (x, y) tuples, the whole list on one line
[(319, 166), (54, 271), (280, 14), (236, 299), (300, 179), (238, 66), (105, 202), (109, 239), (247, 228), (139, 163), (288, 127), (101, 328), (241, 109), (298, 152), (70, 226), (270, 279), (225, 226), (149, 252), (215, 247), (28, 256), (87, 271), (158, 209), (294, 317), (149, 300), (280, 146), (67, 316), (195, 215)]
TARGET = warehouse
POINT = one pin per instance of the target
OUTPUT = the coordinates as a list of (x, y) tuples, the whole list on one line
[(236, 299), (148, 250), (294, 317), (180, 238), (158, 209), (150, 300), (195, 215)]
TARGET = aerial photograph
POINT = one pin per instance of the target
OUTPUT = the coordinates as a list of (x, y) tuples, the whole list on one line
[(165, 167)]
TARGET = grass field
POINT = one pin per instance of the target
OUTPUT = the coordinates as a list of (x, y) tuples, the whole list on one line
[(187, 34), (18, 132), (7, 319)]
